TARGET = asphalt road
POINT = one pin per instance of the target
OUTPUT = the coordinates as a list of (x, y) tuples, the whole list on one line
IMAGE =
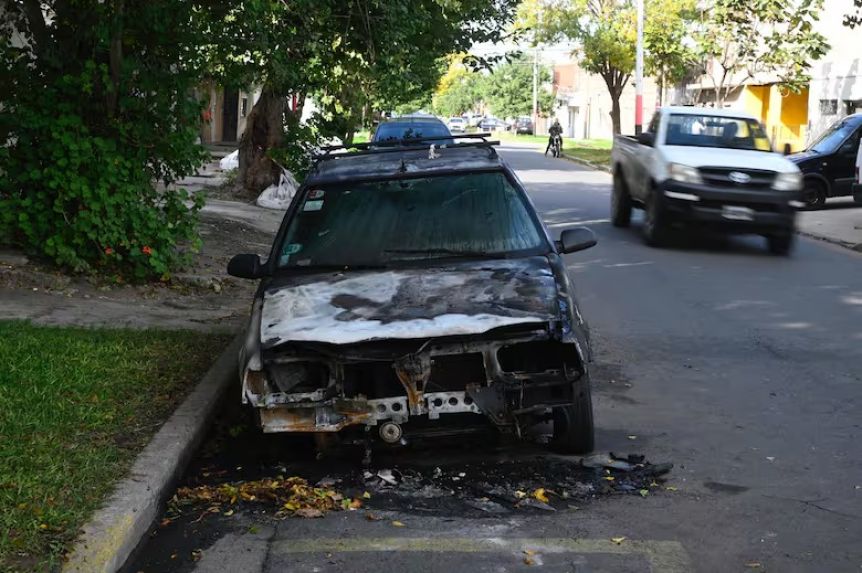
[(741, 368)]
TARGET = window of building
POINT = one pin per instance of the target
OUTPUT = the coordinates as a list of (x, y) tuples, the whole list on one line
[(853, 106), (829, 107)]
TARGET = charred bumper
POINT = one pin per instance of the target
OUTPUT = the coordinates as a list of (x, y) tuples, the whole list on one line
[(507, 380)]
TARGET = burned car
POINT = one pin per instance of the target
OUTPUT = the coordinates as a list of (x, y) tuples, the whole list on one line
[(414, 289)]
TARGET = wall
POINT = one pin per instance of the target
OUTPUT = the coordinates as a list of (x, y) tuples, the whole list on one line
[(837, 77), (585, 104)]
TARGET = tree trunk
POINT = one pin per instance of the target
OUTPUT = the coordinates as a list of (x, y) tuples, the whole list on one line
[(264, 130), (615, 112)]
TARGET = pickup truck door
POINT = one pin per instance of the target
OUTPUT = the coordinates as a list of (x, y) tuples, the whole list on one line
[(640, 187)]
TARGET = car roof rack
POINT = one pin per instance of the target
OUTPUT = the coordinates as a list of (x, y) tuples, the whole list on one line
[(409, 144)]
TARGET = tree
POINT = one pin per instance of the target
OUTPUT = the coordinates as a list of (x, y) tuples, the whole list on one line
[(605, 33), (854, 18), (740, 40), (508, 90), (459, 89), (667, 56), (352, 56), (96, 106)]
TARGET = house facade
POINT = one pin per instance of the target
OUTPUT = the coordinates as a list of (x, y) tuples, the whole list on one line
[(225, 115), (584, 104)]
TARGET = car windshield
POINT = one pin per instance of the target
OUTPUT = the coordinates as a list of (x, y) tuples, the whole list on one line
[(714, 131), (406, 130), (830, 139), (384, 222)]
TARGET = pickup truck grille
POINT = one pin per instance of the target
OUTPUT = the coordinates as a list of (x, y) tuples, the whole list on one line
[(721, 177)]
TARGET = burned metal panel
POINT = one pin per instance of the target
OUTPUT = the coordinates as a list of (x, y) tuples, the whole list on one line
[(457, 299)]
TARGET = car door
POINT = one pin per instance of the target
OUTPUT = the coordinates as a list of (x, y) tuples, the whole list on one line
[(840, 168)]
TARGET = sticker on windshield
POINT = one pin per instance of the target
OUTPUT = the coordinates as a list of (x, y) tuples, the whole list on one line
[(316, 194), (292, 249), (313, 205)]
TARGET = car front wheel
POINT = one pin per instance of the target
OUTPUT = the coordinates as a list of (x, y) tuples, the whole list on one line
[(621, 203), (813, 194), (573, 426)]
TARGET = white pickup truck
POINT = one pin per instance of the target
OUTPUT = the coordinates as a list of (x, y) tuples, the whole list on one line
[(708, 168)]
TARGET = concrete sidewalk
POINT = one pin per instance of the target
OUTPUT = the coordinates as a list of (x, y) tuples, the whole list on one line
[(840, 222)]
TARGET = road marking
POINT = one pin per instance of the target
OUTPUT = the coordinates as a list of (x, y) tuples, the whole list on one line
[(662, 556)]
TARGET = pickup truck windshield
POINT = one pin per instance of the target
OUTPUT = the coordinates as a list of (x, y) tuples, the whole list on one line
[(383, 222), (713, 131)]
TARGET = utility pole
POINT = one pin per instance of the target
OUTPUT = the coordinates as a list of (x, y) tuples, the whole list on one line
[(536, 85), (639, 71)]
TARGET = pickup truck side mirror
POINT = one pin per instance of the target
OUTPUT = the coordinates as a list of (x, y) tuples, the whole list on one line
[(646, 138), (574, 240), (246, 266)]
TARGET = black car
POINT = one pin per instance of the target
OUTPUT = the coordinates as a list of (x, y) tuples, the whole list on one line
[(524, 126), (412, 291), (829, 164), (410, 128)]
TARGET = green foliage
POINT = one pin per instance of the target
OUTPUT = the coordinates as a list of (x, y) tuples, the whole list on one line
[(744, 38), (854, 18), (509, 89), (459, 90), (666, 26), (97, 108)]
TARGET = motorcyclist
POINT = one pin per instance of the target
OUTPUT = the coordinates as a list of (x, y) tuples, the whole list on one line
[(556, 130)]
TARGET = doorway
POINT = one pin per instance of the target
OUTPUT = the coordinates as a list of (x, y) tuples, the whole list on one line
[(230, 116)]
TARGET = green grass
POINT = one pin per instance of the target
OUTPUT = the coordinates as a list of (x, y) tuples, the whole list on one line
[(361, 136), (592, 150), (76, 406)]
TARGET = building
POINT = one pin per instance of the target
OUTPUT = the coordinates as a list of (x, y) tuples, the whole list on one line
[(225, 114), (836, 79), (584, 109)]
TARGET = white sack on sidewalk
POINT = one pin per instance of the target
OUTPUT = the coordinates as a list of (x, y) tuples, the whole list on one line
[(279, 196), (230, 161)]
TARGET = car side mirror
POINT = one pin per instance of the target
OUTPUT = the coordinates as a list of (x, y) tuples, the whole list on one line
[(246, 266), (646, 138), (787, 149), (579, 239)]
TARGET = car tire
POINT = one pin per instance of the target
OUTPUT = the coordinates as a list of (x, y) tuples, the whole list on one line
[(654, 225), (781, 244), (813, 194), (621, 202), (574, 432)]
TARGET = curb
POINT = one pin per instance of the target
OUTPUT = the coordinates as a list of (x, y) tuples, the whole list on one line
[(115, 530), (851, 246), (586, 163)]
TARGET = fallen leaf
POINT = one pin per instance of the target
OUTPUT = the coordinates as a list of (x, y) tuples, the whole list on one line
[(644, 492), (540, 495), (770, 458), (529, 561), (529, 552), (618, 540), (197, 554), (308, 512), (671, 488), (373, 517), (355, 504), (520, 494), (398, 524), (166, 522), (609, 478), (632, 437), (754, 565), (228, 513), (366, 495)]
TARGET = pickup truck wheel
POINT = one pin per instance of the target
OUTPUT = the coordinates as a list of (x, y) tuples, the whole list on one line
[(621, 203), (813, 194), (573, 426), (654, 225), (780, 244)]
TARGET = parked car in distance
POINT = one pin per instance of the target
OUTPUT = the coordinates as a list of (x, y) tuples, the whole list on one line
[(708, 168), (386, 312), (829, 164), (491, 124), (524, 126), (411, 127), (457, 124)]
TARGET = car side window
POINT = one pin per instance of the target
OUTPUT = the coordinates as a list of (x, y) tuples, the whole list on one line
[(851, 146)]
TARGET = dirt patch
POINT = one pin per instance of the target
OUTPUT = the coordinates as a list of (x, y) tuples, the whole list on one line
[(201, 297)]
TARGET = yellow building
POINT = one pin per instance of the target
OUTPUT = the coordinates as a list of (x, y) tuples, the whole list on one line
[(784, 113)]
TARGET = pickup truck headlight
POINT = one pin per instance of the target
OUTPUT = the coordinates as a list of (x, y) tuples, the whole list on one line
[(788, 182), (684, 173)]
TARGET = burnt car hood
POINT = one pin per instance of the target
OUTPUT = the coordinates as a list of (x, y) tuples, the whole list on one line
[(461, 298)]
